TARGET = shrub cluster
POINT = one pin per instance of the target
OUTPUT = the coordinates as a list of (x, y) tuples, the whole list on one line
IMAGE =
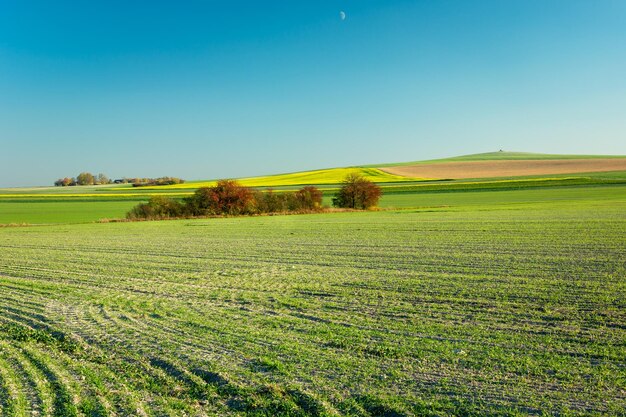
[(228, 197), (305, 199), (157, 208), (143, 182)]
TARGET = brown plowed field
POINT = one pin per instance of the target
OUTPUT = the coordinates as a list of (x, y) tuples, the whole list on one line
[(515, 168)]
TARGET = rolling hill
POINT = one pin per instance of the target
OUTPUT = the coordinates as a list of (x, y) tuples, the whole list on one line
[(500, 165), (507, 164), (482, 165), (329, 176), (499, 156)]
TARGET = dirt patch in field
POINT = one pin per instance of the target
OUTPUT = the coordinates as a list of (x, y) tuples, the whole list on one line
[(516, 168)]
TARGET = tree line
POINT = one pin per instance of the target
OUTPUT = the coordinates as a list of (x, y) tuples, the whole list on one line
[(229, 197), (144, 182), (84, 178), (87, 178)]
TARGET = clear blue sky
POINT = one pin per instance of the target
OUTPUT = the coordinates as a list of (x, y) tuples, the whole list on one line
[(205, 89)]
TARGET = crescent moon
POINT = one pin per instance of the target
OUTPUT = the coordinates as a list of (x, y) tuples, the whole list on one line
[(342, 15)]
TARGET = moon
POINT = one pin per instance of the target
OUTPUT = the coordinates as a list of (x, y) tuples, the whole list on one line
[(342, 15)]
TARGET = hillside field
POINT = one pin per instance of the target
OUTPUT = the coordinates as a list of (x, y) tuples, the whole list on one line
[(502, 168), (500, 156), (315, 177)]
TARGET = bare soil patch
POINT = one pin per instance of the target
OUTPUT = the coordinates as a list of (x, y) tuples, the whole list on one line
[(516, 168)]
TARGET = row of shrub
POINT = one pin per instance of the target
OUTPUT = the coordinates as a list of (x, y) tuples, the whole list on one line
[(144, 182), (229, 197)]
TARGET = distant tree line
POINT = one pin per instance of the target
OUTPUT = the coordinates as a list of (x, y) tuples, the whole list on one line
[(87, 178), (84, 178), (143, 182), (228, 197)]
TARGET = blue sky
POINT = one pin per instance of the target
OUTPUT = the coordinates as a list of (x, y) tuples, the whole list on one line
[(206, 89)]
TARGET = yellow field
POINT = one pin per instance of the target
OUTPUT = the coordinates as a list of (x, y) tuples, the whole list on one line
[(317, 177), (321, 176)]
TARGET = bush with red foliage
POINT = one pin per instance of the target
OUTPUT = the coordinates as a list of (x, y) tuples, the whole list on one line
[(226, 197), (229, 197)]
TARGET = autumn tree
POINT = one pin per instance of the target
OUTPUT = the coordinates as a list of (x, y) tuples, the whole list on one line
[(85, 178), (357, 193), (226, 197), (64, 182)]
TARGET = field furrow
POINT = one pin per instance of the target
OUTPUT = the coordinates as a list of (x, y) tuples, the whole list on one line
[(391, 313)]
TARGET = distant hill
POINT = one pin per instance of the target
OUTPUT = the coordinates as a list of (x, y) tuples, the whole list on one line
[(497, 156), (475, 166), (506, 164), (481, 165)]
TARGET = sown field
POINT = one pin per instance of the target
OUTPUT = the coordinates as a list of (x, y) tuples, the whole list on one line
[(482, 310), (491, 297), (504, 168)]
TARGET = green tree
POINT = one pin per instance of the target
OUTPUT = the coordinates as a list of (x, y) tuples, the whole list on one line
[(85, 178), (357, 193)]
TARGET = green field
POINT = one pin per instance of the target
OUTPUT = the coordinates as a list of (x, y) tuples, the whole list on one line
[(491, 308), (82, 208), (498, 297), (43, 205), (55, 211)]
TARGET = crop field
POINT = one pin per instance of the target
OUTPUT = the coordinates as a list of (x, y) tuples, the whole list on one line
[(42, 205), (317, 177), (503, 168), (481, 310), (45, 208), (507, 199), (62, 211), (490, 297), (500, 156)]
